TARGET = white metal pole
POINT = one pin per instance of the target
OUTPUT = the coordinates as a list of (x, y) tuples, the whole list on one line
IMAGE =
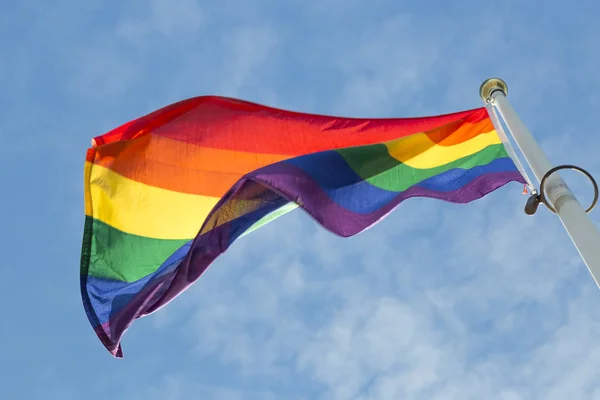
[(578, 225)]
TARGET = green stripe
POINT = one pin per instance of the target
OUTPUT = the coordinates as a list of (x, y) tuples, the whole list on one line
[(125, 257), (270, 217), (374, 164)]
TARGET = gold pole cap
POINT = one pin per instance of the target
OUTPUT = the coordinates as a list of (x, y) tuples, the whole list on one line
[(490, 85)]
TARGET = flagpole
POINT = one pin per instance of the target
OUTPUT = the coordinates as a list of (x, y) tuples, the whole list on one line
[(583, 233)]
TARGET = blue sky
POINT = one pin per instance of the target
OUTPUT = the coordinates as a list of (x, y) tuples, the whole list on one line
[(438, 301)]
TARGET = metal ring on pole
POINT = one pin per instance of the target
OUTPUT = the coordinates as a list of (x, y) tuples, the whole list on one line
[(535, 199)]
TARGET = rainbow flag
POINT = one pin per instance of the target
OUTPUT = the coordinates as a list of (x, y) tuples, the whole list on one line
[(167, 193)]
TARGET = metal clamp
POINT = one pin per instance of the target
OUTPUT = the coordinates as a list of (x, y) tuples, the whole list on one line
[(535, 199)]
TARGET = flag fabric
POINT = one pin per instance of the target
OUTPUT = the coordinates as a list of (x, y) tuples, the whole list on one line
[(169, 192)]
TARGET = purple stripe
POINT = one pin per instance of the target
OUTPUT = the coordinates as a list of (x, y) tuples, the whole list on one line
[(295, 185), (291, 182)]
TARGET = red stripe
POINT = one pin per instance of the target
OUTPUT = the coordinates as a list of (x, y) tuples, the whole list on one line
[(219, 122)]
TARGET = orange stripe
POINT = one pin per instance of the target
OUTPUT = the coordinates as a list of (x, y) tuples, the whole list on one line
[(177, 166), (459, 132), (188, 168)]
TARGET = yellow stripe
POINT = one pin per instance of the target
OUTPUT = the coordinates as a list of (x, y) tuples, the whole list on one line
[(87, 172), (418, 151), (144, 210)]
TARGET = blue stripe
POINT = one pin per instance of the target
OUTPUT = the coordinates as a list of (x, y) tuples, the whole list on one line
[(456, 178), (346, 188), (108, 296)]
